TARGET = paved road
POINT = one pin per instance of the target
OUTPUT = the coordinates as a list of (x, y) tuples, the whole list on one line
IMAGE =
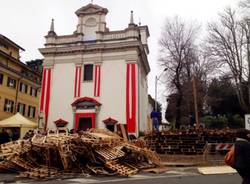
[(169, 179), (166, 178)]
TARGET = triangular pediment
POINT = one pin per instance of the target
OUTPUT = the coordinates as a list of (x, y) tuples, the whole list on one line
[(91, 9)]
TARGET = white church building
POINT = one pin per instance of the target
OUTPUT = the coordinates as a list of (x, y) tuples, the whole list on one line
[(95, 78)]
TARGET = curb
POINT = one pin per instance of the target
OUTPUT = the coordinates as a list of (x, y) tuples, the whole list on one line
[(178, 164)]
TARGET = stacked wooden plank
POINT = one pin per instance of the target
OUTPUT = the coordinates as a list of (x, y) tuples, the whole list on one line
[(40, 173), (220, 136), (109, 153), (176, 142), (93, 152), (123, 169), (187, 141)]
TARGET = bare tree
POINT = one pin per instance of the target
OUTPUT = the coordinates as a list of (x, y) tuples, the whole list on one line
[(226, 45), (177, 48), (244, 4)]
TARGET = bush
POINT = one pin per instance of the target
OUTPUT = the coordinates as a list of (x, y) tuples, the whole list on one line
[(222, 121), (214, 121), (236, 121), (207, 120)]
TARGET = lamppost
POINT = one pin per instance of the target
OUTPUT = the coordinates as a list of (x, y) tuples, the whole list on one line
[(248, 52), (195, 102), (156, 83)]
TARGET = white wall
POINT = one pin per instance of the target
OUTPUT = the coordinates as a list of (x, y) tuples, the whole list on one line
[(87, 87), (62, 94), (143, 100), (113, 91)]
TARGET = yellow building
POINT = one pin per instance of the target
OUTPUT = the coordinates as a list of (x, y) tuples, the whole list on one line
[(19, 84)]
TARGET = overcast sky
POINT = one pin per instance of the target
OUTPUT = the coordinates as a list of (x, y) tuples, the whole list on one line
[(26, 22)]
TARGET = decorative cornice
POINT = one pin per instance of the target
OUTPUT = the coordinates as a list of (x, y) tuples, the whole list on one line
[(145, 28), (94, 59), (87, 48), (98, 63), (98, 48), (131, 61), (102, 37)]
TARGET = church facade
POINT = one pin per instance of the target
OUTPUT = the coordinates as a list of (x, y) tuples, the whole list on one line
[(95, 78)]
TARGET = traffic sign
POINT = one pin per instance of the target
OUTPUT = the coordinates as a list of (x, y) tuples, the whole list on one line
[(247, 121)]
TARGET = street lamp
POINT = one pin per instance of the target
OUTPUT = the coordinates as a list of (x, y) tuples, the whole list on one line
[(195, 102), (156, 83), (248, 49)]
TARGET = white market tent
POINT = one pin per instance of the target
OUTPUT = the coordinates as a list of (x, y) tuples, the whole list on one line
[(18, 121)]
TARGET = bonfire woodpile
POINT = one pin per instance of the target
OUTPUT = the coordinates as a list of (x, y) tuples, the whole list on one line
[(220, 136), (92, 152), (187, 141)]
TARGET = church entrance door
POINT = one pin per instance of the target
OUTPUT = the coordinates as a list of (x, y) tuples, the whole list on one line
[(84, 121), (85, 124)]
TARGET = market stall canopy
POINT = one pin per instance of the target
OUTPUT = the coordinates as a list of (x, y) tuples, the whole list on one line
[(17, 120)]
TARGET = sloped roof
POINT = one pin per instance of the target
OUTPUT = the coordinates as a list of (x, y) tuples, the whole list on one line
[(91, 9), (110, 121), (17, 120), (61, 123), (10, 42)]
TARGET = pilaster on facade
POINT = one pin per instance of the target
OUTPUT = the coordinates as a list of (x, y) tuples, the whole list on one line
[(78, 81)]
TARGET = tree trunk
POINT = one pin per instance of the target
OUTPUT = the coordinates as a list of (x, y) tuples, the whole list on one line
[(178, 111), (178, 103)]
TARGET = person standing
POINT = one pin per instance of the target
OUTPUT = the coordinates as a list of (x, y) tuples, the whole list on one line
[(15, 134), (242, 155), (192, 121), (4, 137), (155, 120)]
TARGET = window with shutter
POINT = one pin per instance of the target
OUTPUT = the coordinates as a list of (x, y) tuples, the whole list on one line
[(31, 112), (33, 92), (21, 108), (23, 88), (11, 83), (8, 106)]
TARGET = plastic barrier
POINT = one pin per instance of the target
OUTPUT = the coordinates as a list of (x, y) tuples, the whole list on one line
[(223, 146)]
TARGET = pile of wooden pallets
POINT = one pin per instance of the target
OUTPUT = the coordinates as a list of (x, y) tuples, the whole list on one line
[(186, 141), (220, 136), (93, 152), (176, 142)]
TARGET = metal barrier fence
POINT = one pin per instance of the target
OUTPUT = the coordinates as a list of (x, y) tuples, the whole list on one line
[(215, 152)]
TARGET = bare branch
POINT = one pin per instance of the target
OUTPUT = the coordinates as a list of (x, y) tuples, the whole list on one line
[(226, 44)]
